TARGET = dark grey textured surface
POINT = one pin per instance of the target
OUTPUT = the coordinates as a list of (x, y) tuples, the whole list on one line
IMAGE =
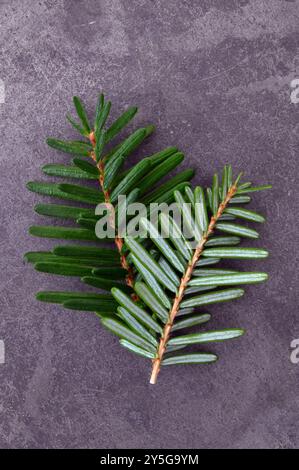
[(214, 77)]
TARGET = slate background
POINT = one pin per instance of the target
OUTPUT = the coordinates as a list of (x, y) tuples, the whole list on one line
[(215, 78)]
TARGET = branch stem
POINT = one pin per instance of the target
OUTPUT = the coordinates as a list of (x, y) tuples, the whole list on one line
[(118, 241), (184, 283)]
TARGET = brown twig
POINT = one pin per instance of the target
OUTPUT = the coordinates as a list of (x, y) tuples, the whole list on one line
[(184, 283), (118, 241)]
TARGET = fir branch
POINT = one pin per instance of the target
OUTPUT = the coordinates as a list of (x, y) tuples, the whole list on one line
[(185, 281), (170, 275), (106, 168), (152, 281)]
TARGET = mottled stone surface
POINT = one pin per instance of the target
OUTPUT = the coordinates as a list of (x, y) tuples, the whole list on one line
[(214, 77)]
